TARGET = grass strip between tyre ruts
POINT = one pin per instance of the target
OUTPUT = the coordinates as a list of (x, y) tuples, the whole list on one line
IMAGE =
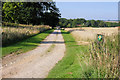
[(69, 66)]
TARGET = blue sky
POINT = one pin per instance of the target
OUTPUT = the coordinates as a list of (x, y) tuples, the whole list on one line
[(89, 10)]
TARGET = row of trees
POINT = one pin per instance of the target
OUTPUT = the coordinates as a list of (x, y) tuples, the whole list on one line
[(82, 22), (35, 13)]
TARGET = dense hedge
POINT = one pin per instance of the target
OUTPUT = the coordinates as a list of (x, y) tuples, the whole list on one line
[(87, 23)]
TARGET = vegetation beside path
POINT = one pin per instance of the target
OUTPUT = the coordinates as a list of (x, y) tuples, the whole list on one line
[(69, 66), (13, 33), (88, 61), (25, 45)]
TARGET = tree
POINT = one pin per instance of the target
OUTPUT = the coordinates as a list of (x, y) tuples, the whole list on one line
[(88, 23), (93, 23), (74, 23), (51, 19), (69, 25), (101, 24), (82, 20), (31, 13), (10, 11)]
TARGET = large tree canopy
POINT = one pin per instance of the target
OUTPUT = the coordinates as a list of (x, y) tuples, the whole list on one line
[(31, 13)]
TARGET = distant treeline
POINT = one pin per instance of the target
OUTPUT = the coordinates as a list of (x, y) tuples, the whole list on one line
[(85, 23), (35, 13)]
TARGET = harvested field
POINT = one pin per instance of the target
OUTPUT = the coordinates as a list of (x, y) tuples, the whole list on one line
[(101, 60), (89, 33)]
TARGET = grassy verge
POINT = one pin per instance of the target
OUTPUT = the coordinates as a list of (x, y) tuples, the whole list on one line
[(90, 61), (69, 66), (104, 57), (25, 45)]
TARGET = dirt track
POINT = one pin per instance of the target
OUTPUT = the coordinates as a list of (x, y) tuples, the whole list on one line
[(38, 62)]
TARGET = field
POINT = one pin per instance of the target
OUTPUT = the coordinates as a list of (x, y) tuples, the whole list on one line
[(85, 57), (103, 55), (89, 33), (25, 45), (69, 66), (19, 38), (12, 33), (38, 42)]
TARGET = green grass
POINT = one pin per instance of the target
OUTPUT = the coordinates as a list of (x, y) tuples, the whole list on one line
[(69, 66), (25, 45), (88, 61), (51, 48)]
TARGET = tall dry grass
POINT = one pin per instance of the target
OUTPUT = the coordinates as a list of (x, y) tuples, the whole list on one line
[(88, 33), (14, 34), (102, 58)]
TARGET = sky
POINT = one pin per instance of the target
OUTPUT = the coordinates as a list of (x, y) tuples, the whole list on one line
[(89, 10), (86, 0)]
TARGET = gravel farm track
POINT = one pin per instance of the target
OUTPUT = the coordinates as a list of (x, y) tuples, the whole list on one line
[(38, 62)]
